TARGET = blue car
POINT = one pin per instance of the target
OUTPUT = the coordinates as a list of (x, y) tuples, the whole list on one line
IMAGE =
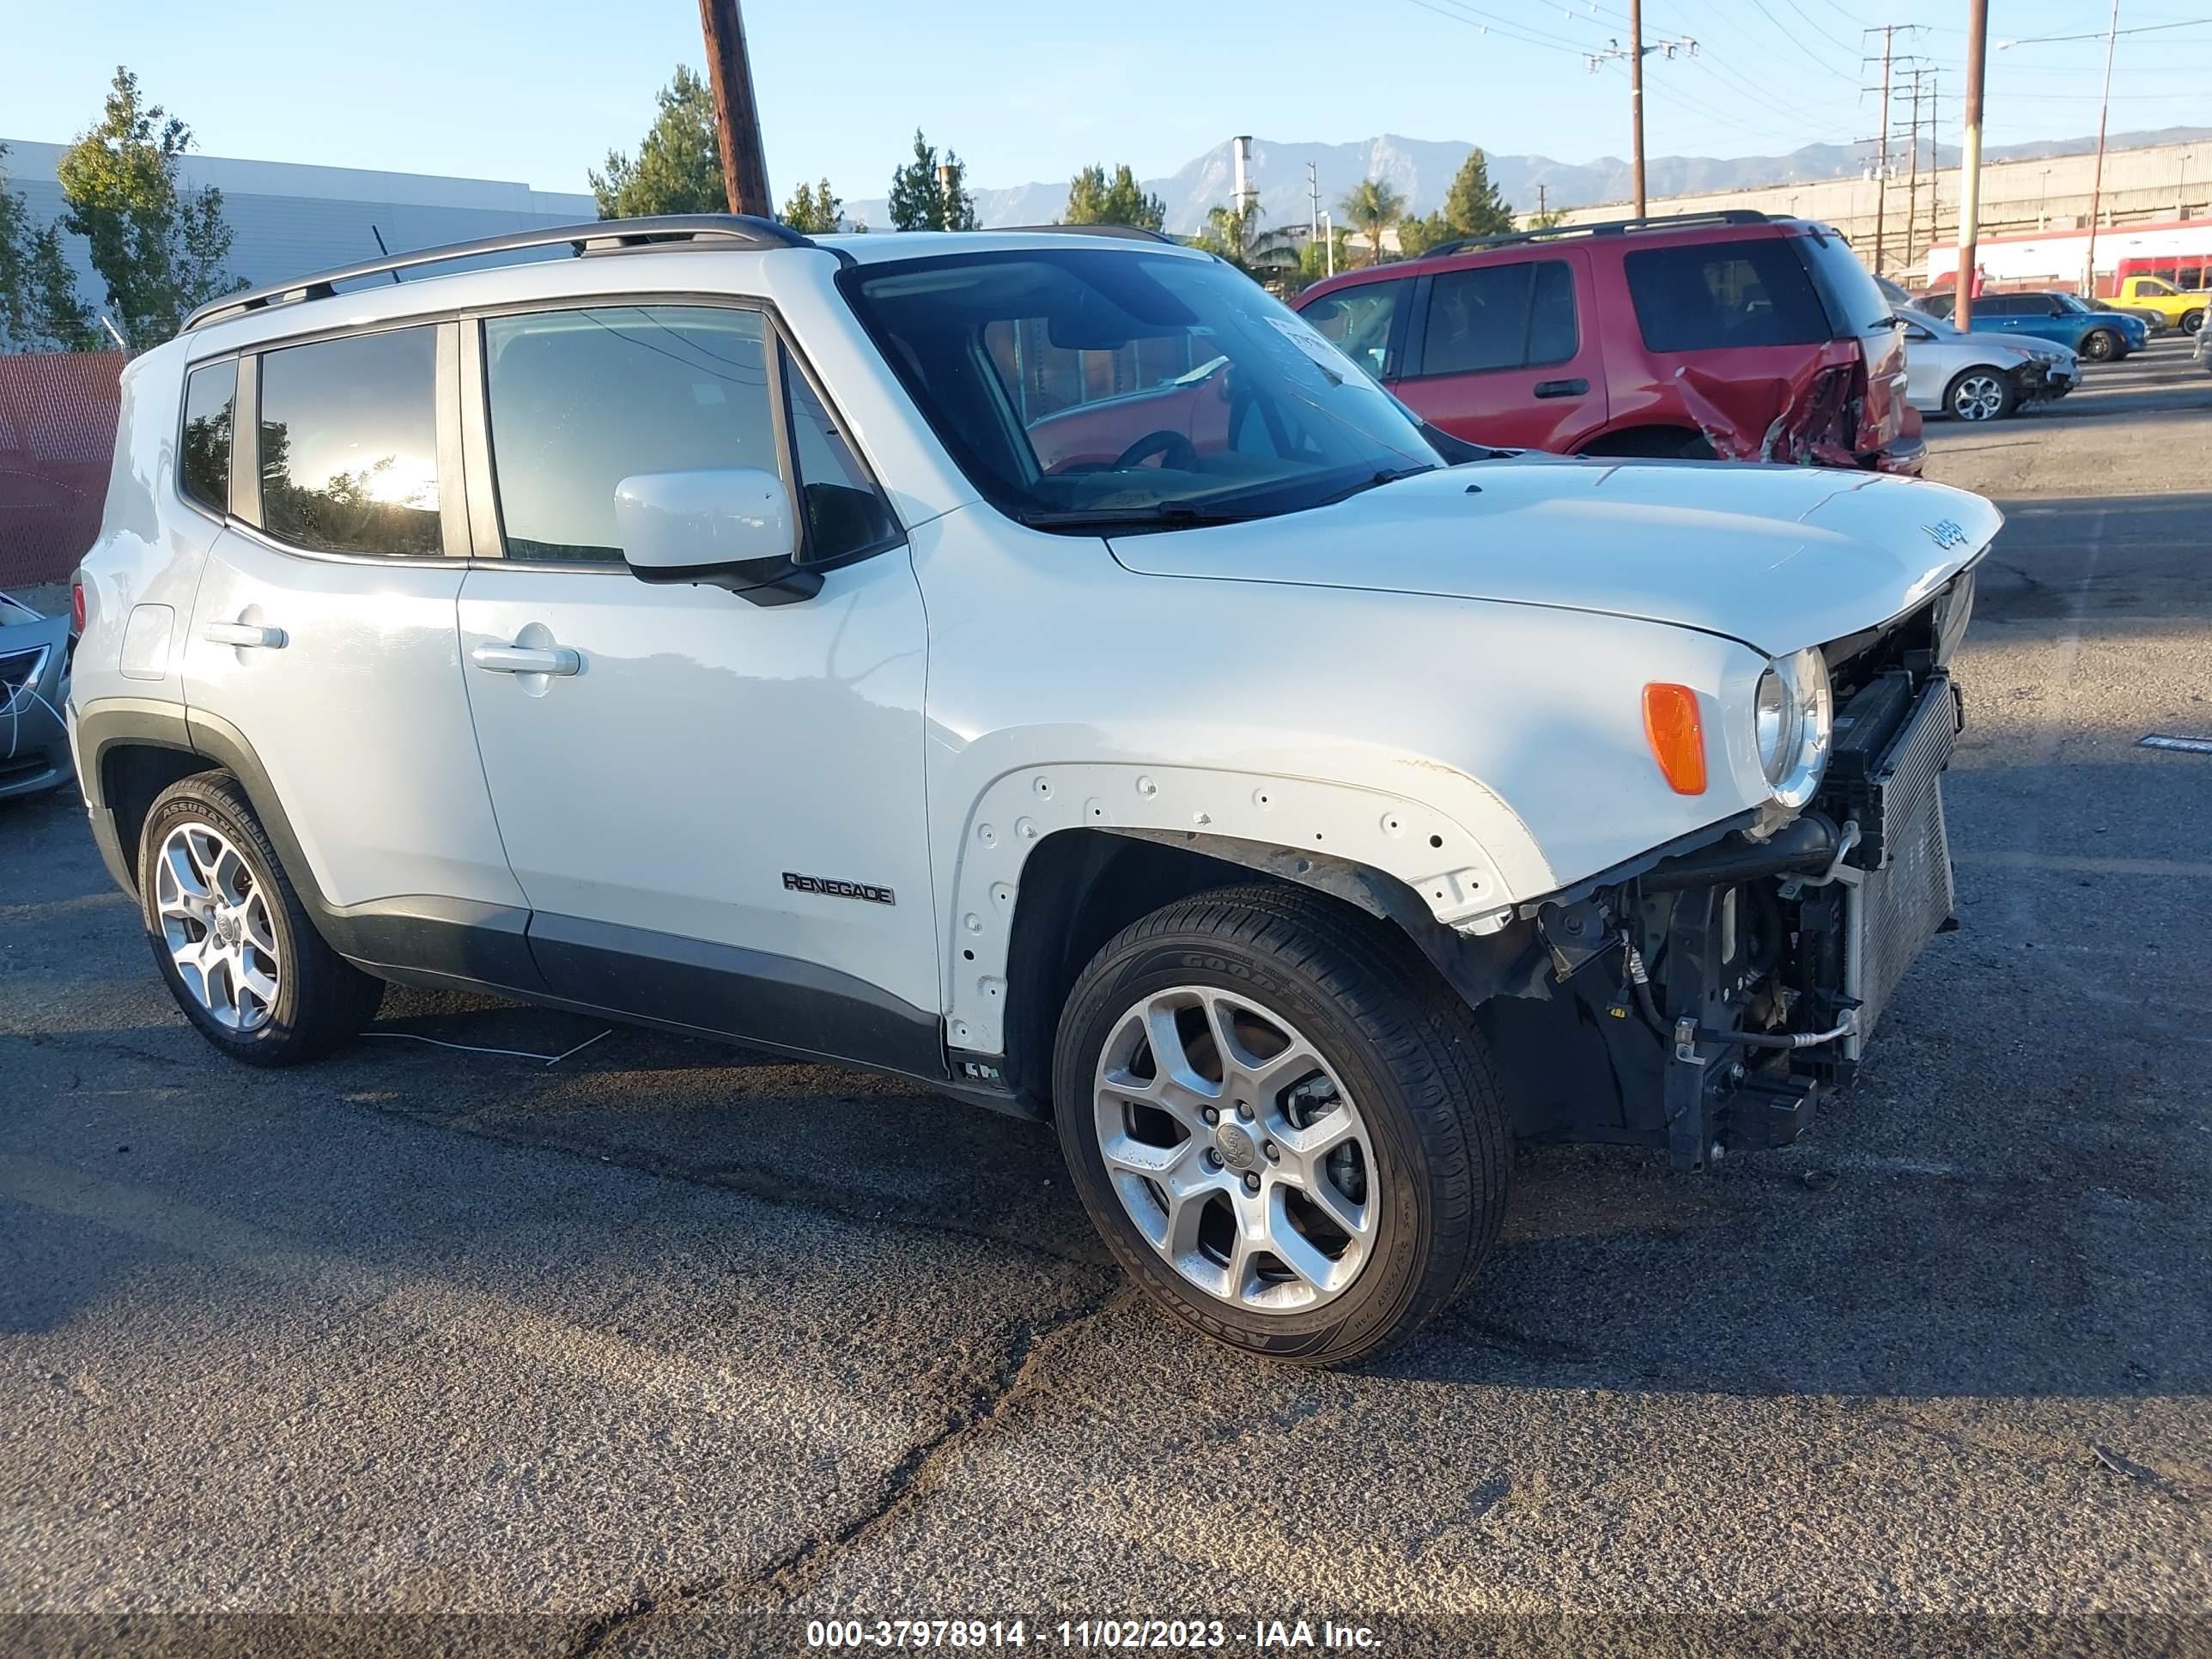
[(2099, 336)]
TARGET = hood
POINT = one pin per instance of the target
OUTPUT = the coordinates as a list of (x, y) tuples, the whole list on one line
[(1777, 556)]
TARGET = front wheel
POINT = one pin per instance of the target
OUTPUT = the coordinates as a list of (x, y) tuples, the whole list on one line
[(1980, 394), (2191, 321), (2101, 345), (1288, 1132), (233, 941)]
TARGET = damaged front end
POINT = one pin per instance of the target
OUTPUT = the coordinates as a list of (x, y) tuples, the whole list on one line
[(1702, 998)]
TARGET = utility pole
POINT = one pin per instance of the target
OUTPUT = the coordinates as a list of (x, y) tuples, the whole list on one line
[(1636, 94), (1313, 198), (1912, 173), (737, 116), (1634, 52), (1542, 212), (1935, 161), (1881, 151), (2097, 182), (1970, 160)]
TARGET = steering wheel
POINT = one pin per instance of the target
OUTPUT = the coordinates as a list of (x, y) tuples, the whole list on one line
[(1172, 448)]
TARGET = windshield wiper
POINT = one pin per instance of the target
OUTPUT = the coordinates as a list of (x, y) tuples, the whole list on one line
[(1166, 515), (1388, 475)]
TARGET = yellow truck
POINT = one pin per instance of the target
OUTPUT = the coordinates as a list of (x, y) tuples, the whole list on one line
[(2154, 296)]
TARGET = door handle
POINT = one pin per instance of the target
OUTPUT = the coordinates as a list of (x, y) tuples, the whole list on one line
[(559, 659), (1562, 388), (244, 634)]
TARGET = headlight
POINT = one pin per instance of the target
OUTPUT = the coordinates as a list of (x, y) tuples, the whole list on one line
[(1793, 714)]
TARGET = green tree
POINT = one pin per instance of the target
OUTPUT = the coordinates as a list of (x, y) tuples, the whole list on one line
[(159, 249), (927, 195), (1417, 236), (1094, 199), (1549, 220), (1374, 207), (1238, 235), (39, 308), (813, 209), (678, 167), (1473, 206)]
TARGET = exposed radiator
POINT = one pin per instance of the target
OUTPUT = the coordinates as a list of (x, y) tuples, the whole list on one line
[(1895, 908)]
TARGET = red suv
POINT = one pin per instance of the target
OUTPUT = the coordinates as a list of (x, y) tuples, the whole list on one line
[(1732, 334)]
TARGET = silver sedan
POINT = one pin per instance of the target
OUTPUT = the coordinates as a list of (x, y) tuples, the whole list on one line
[(34, 651)]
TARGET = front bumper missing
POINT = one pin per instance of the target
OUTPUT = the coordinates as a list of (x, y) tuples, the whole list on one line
[(1859, 923), (2041, 382)]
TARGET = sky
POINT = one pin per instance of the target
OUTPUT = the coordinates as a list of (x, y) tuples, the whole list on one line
[(538, 91)]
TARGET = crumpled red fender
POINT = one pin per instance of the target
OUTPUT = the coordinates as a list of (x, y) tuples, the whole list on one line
[(1810, 431)]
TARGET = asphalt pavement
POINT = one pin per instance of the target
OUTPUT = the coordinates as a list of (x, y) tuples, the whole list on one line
[(663, 1348)]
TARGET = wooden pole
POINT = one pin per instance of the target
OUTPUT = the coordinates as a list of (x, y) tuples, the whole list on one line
[(1636, 96), (1970, 160), (737, 116), (2097, 184)]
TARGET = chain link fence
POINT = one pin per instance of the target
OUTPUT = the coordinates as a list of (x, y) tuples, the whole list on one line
[(57, 435)]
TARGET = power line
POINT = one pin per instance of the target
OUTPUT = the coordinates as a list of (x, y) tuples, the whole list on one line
[(1487, 27), (2104, 35)]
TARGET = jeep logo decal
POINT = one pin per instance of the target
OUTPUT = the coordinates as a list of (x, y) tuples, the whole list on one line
[(1946, 533)]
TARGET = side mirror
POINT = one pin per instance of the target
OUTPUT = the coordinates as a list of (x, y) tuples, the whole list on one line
[(732, 527)]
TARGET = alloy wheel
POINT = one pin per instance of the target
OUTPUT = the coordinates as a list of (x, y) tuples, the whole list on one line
[(215, 919), (1236, 1151), (1978, 398)]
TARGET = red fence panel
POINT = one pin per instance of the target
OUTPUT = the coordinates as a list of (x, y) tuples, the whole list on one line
[(56, 436)]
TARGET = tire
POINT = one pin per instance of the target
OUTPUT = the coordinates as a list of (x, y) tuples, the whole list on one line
[(2102, 345), (2191, 321), (1425, 1155), (1979, 394), (268, 991)]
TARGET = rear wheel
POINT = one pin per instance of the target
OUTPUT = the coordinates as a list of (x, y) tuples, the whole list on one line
[(2101, 345), (1288, 1133), (1979, 394), (230, 937)]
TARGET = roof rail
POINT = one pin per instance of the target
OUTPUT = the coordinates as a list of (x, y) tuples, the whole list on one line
[(743, 230), (1127, 232), (1607, 227)]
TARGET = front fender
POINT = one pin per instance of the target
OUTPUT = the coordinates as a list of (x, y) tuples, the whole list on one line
[(1466, 879)]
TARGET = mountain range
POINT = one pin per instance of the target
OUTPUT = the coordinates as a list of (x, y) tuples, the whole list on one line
[(1421, 170)]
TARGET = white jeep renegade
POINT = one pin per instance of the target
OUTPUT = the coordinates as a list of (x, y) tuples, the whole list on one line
[(1034, 663)]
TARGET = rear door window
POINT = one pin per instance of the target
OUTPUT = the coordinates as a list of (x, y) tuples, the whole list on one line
[(1721, 294), (349, 444), (1360, 321), (1494, 317)]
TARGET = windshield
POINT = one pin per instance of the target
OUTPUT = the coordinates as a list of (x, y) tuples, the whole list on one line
[(1082, 387), (2075, 303)]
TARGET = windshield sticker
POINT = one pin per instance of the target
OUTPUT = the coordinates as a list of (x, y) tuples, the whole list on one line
[(1316, 344)]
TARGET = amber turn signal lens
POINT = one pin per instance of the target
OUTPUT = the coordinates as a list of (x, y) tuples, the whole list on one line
[(1677, 736)]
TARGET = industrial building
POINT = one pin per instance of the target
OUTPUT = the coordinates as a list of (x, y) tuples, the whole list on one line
[(287, 219)]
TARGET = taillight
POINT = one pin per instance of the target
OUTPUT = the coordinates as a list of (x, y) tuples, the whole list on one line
[(77, 607)]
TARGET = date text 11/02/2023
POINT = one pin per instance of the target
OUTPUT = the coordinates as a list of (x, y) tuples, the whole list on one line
[(1117, 1634)]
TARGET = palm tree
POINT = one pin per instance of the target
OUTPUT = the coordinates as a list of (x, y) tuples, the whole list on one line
[(1236, 236), (1374, 207)]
